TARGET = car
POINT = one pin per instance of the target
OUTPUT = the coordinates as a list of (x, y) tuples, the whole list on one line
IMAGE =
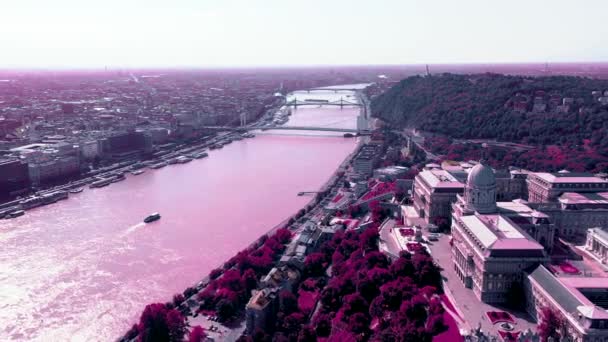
[(433, 237)]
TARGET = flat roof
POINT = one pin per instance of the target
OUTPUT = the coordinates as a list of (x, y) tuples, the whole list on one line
[(584, 198), (513, 206), (497, 232), (35, 146), (569, 177), (440, 179)]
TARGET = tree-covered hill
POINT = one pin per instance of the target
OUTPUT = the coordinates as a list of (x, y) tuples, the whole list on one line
[(499, 107), (567, 114)]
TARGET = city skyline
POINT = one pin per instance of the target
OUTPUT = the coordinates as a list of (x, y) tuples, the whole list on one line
[(133, 34)]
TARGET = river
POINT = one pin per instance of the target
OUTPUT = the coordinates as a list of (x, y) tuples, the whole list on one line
[(84, 268)]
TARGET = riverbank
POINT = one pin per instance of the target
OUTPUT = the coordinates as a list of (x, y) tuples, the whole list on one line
[(114, 173), (310, 212), (76, 181), (58, 258)]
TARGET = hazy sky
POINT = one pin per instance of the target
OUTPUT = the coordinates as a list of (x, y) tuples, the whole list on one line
[(149, 33)]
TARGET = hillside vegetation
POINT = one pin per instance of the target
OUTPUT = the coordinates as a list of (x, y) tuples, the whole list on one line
[(567, 114)]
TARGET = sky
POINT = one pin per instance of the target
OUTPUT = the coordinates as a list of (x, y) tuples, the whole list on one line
[(225, 33)]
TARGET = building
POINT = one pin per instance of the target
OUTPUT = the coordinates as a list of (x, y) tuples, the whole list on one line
[(90, 149), (580, 302), (511, 184), (283, 277), (49, 162), (436, 188), (390, 173), (547, 187), (261, 309), (597, 243), (53, 169), (159, 135), (14, 176), (126, 143), (535, 223), (434, 192), (575, 212), (490, 250), (366, 160), (362, 123), (360, 188)]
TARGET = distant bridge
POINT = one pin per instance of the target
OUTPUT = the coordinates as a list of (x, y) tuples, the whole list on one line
[(285, 128), (335, 90), (341, 103)]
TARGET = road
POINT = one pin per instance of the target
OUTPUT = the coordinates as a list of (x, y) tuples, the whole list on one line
[(417, 139)]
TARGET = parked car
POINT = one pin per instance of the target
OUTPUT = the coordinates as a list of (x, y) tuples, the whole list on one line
[(433, 237)]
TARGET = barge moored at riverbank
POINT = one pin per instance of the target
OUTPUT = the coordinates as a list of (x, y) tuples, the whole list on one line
[(100, 183)]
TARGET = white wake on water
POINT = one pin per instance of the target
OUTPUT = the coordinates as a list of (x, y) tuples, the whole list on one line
[(133, 228)]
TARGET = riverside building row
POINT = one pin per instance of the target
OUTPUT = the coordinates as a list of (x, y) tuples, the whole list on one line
[(110, 115), (39, 163)]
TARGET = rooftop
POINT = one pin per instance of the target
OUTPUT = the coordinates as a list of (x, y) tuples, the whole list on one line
[(569, 292), (584, 198), (569, 177), (497, 232), (438, 178)]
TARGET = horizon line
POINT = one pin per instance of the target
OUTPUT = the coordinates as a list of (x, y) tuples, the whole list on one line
[(287, 66)]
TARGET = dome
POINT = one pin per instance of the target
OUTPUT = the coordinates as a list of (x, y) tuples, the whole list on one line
[(481, 176), (480, 190)]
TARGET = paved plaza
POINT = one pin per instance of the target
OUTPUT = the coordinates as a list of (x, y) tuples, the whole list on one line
[(469, 308)]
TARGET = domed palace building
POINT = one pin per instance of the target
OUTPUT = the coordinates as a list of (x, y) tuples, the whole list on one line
[(493, 243)]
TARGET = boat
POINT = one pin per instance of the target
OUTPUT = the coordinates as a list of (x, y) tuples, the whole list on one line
[(4, 212), (75, 191), (137, 166), (158, 165), (201, 155), (100, 183), (53, 197), (137, 172), (172, 161), (183, 160), (151, 218), (14, 214), (32, 202), (119, 177)]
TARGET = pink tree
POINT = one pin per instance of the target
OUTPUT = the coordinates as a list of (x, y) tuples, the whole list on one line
[(197, 334), (549, 325)]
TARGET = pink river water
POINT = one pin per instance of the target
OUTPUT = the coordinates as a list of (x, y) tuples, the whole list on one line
[(83, 269)]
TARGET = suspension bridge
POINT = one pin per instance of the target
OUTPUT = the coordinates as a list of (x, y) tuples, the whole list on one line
[(313, 102), (285, 128), (335, 90), (362, 125)]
